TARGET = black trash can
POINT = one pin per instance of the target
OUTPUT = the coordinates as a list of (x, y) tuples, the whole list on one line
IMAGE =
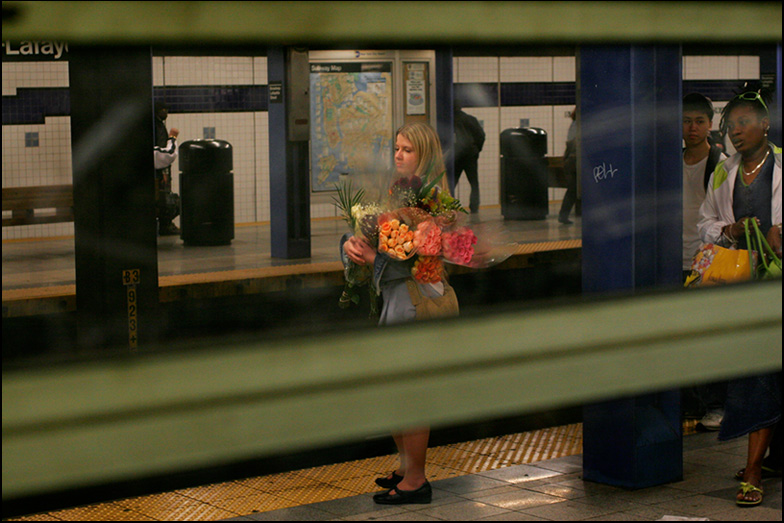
[(206, 192), (524, 174)]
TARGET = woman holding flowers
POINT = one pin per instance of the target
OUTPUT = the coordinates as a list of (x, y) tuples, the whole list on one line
[(418, 161)]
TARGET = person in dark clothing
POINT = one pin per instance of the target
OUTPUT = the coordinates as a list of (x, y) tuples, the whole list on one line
[(570, 171), (167, 203), (469, 140)]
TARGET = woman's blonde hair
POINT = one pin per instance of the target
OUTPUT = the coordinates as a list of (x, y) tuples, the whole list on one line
[(427, 144)]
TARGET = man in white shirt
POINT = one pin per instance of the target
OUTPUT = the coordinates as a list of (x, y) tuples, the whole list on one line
[(699, 161)]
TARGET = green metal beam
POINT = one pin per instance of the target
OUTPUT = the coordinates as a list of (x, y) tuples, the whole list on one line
[(381, 23), (89, 423)]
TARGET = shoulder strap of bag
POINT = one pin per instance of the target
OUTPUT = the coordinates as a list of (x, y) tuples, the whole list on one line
[(414, 292), (713, 158)]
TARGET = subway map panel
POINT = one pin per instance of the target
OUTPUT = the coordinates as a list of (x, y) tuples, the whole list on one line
[(351, 121)]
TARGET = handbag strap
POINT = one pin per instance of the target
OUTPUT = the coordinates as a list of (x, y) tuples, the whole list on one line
[(414, 292), (764, 245), (750, 246)]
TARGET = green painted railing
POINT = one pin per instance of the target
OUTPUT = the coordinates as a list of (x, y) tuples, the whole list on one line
[(392, 22), (83, 424)]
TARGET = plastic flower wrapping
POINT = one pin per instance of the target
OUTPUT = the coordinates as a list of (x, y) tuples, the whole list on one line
[(362, 219), (417, 221)]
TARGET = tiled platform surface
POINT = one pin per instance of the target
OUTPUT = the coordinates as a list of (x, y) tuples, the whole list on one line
[(50, 262), (553, 490)]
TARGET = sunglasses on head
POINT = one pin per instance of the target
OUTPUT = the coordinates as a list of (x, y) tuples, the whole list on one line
[(751, 96)]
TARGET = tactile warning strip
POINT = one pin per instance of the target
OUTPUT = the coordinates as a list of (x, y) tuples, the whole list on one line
[(300, 487)]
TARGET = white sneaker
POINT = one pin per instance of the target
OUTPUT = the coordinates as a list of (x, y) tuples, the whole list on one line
[(712, 420)]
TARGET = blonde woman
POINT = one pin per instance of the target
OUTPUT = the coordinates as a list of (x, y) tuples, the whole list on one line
[(417, 153)]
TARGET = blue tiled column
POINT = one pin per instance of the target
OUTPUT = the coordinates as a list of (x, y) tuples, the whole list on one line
[(770, 65), (289, 171), (630, 117)]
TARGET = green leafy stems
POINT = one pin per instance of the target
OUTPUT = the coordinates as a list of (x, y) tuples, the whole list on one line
[(755, 241)]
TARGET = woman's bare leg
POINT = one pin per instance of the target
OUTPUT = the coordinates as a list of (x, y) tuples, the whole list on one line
[(414, 443), (759, 441), (401, 451)]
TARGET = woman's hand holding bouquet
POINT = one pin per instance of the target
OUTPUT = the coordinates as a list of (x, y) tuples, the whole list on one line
[(362, 220)]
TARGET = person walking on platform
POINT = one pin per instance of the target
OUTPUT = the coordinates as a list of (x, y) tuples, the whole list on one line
[(469, 140), (417, 152), (699, 161), (747, 186), (570, 171)]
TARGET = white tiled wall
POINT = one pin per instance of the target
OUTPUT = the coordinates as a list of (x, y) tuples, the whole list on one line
[(208, 70), (564, 69), (33, 74), (50, 163), (526, 69), (475, 69)]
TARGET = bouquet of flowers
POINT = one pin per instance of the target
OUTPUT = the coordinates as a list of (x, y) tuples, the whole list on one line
[(433, 216), (362, 219), (416, 221)]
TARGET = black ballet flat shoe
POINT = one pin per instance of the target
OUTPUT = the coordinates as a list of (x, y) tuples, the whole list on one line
[(422, 495), (389, 483)]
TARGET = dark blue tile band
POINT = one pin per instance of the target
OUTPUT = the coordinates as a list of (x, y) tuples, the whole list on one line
[(716, 90), (32, 105), (213, 99), (537, 93)]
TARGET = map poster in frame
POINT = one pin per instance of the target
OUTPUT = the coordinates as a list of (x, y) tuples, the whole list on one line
[(351, 120)]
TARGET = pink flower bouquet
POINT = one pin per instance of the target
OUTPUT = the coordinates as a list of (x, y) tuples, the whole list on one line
[(458, 245)]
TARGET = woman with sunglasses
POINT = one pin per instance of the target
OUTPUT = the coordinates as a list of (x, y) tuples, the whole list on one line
[(747, 186)]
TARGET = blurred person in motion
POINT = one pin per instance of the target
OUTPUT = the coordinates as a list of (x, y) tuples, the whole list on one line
[(570, 171), (469, 140), (167, 202), (747, 186), (699, 160), (417, 152)]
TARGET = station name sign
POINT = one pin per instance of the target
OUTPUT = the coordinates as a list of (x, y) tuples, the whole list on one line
[(36, 50), (351, 67)]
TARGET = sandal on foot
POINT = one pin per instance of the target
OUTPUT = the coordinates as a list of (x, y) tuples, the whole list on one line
[(423, 495), (767, 473), (745, 490), (389, 482)]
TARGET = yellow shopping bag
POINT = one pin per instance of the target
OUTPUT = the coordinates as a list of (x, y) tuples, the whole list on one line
[(714, 265)]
